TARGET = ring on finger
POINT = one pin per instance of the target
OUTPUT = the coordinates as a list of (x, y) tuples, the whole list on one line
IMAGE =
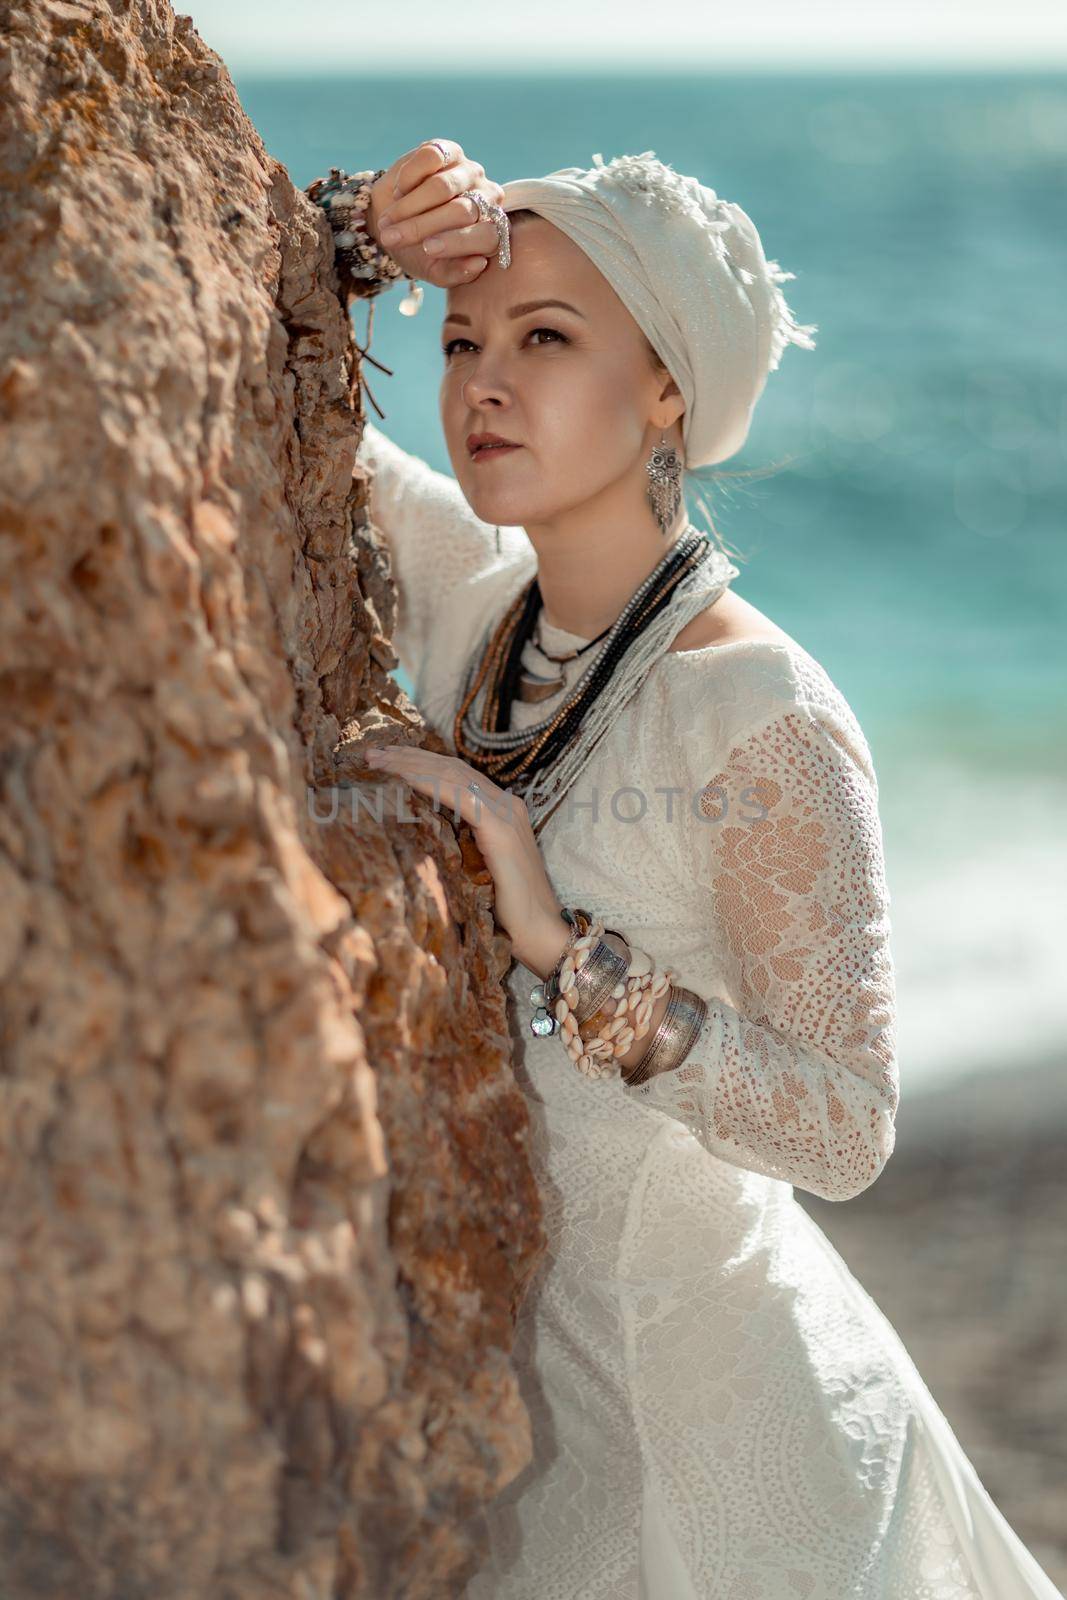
[(499, 218)]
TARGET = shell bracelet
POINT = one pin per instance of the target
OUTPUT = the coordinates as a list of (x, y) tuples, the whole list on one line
[(617, 1012)]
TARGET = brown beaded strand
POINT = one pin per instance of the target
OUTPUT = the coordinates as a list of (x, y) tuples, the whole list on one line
[(491, 668), (635, 625)]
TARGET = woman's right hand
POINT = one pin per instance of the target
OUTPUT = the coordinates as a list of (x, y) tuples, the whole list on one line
[(424, 195)]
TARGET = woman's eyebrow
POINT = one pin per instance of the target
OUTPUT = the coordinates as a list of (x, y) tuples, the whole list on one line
[(522, 311)]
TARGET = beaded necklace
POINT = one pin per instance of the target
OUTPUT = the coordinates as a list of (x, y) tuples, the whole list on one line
[(542, 760), (532, 686)]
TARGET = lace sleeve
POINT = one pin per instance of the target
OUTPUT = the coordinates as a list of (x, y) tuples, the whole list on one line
[(435, 541), (794, 1072)]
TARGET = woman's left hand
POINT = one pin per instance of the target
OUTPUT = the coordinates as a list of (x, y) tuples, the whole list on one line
[(527, 907)]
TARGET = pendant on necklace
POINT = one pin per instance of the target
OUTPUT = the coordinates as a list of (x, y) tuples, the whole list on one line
[(532, 686), (533, 689)]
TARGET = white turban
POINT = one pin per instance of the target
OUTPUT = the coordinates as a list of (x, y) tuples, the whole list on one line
[(691, 271)]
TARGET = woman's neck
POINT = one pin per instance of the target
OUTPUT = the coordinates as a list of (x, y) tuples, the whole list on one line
[(590, 565)]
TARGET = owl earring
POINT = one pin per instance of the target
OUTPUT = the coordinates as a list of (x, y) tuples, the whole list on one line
[(664, 468)]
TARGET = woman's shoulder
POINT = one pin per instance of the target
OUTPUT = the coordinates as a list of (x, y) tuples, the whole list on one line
[(731, 619), (748, 675)]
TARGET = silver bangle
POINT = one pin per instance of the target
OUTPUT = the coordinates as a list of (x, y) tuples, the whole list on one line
[(674, 1038), (597, 977), (544, 994)]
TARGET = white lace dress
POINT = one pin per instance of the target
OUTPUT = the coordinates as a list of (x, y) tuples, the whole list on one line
[(719, 1409)]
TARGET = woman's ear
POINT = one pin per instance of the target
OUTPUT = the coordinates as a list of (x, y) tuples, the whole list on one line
[(671, 405), (669, 402)]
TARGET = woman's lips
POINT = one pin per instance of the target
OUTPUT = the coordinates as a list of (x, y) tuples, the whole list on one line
[(485, 452)]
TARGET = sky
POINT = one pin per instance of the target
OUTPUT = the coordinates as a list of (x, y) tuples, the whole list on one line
[(339, 35)]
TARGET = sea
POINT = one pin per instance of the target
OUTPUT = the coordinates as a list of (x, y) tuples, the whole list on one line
[(900, 506)]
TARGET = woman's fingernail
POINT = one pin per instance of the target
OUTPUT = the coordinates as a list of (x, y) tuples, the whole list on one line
[(432, 246), (386, 216), (389, 235)]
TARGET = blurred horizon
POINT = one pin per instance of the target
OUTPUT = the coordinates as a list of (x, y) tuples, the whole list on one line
[(655, 70), (565, 38)]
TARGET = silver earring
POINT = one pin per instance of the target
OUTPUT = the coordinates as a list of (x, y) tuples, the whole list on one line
[(664, 468)]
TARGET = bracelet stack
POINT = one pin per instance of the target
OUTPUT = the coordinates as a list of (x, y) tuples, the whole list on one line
[(364, 267), (675, 1036), (601, 1003)]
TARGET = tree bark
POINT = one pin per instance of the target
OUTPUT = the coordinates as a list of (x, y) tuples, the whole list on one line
[(266, 1208)]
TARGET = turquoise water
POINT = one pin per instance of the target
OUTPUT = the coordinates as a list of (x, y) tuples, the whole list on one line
[(907, 521)]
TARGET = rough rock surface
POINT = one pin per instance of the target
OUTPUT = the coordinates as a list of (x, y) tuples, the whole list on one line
[(266, 1209)]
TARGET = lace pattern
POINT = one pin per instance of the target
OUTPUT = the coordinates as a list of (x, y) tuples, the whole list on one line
[(797, 1077)]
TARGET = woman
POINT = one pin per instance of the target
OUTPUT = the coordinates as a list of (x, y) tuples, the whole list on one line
[(718, 1407)]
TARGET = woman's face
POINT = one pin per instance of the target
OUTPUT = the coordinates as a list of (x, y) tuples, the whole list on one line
[(574, 385)]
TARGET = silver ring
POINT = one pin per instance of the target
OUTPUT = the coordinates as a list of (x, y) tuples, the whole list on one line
[(445, 155), (499, 218)]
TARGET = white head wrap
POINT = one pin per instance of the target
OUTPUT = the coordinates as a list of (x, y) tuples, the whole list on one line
[(691, 271)]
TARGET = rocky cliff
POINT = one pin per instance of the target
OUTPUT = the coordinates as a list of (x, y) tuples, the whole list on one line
[(266, 1210)]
